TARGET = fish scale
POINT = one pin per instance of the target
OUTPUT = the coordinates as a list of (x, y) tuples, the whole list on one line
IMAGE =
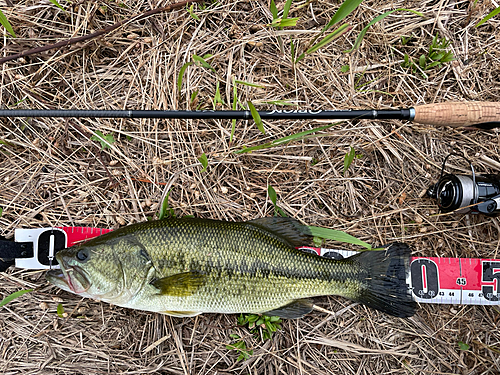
[(187, 266)]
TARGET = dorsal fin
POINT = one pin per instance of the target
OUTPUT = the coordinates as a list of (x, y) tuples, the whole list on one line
[(287, 228)]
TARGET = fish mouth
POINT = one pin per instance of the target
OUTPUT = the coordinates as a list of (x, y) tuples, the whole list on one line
[(70, 278)]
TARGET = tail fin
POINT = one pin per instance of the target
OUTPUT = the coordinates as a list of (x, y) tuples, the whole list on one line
[(383, 276)]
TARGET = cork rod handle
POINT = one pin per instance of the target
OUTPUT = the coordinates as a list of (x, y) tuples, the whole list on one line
[(457, 114)]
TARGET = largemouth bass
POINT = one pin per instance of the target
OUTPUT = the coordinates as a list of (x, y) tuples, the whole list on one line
[(189, 266)]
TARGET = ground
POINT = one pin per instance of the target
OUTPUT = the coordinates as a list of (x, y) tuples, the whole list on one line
[(54, 174)]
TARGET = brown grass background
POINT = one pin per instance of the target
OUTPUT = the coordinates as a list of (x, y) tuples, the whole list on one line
[(52, 174)]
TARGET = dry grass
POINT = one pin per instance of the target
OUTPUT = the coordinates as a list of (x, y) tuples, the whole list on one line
[(51, 173)]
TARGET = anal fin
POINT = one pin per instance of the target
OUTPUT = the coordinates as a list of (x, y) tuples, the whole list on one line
[(295, 310), (181, 314)]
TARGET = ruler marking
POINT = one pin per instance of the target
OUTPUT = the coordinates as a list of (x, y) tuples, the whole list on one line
[(424, 278), (461, 286)]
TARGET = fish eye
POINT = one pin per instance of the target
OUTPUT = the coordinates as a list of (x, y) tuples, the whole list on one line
[(82, 255)]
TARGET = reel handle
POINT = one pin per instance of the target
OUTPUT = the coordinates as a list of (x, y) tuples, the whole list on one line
[(484, 115)]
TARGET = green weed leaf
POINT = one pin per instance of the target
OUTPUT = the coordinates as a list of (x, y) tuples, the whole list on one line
[(256, 117), (421, 61), (261, 325), (240, 347), (105, 140), (318, 241), (60, 310), (13, 296), (463, 346), (337, 235), (345, 69), (191, 13), (204, 162), (348, 158), (5, 23)]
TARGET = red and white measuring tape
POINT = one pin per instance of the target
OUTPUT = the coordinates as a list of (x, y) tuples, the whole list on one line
[(468, 281)]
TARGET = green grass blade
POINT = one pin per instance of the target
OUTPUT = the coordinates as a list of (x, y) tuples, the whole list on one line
[(286, 9), (248, 84), (217, 97), (181, 74), (60, 310), (272, 194), (327, 39), (105, 140), (191, 13), (349, 157), (256, 117), (203, 63), (491, 15), (337, 235), (57, 4), (5, 23), (273, 9), (235, 103), (345, 9), (375, 20), (278, 102), (301, 56), (165, 210), (204, 162), (284, 22), (13, 296), (274, 197), (286, 139)]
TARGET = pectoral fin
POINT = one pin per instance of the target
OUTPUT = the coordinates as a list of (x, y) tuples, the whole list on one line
[(296, 309), (181, 284)]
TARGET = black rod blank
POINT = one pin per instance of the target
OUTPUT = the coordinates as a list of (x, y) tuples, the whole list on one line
[(397, 114)]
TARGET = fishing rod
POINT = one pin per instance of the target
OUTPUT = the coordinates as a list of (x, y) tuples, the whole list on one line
[(484, 115)]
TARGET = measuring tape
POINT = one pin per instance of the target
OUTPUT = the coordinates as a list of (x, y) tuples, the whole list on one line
[(469, 281)]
